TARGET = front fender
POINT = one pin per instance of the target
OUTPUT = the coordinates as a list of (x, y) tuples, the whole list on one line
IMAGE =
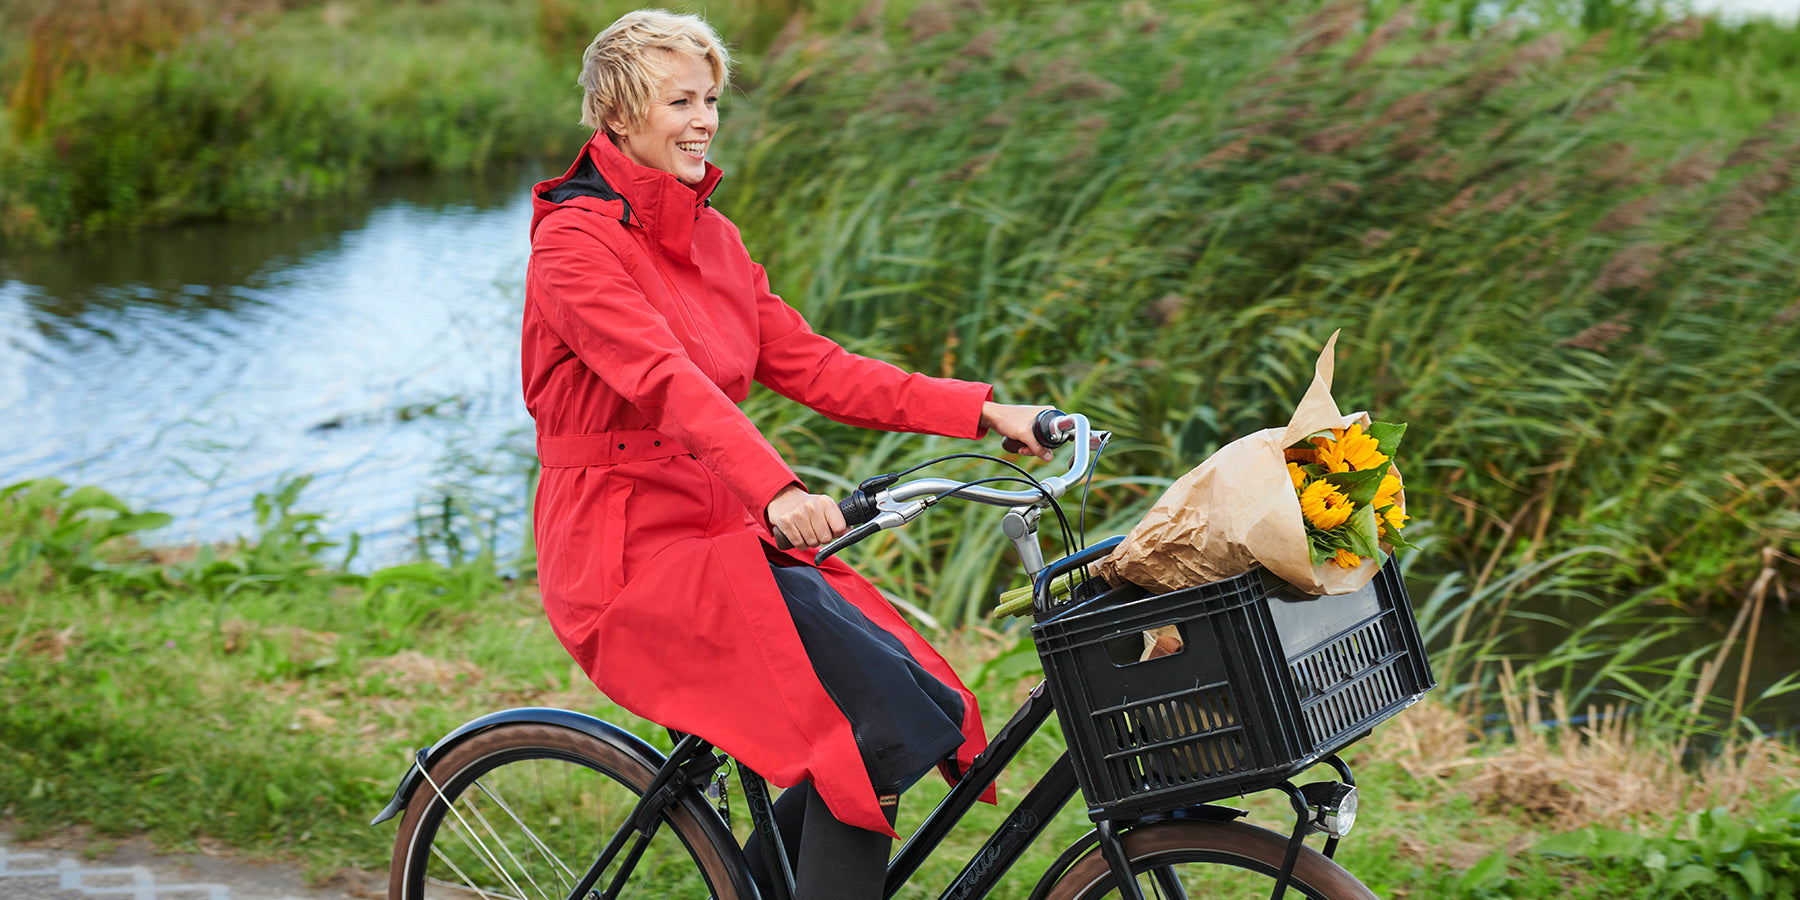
[(1206, 812), (542, 715)]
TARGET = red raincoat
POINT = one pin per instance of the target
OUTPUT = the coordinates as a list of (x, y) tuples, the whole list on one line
[(645, 323)]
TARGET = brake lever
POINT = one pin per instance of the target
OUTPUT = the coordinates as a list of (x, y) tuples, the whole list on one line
[(891, 518), (848, 538)]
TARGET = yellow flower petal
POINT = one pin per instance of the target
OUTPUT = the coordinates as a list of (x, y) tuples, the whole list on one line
[(1297, 474), (1353, 452), (1346, 560), (1324, 505), (1389, 489)]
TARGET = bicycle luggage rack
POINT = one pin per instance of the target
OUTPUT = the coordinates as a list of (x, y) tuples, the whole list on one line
[(1268, 682)]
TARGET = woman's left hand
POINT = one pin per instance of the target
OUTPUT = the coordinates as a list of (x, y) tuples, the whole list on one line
[(1014, 421)]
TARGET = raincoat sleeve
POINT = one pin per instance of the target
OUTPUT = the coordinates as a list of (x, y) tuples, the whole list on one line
[(589, 298), (810, 368)]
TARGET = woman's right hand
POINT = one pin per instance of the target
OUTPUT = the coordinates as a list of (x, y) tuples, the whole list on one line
[(804, 520)]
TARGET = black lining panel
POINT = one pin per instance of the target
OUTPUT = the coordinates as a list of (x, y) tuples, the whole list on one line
[(587, 182)]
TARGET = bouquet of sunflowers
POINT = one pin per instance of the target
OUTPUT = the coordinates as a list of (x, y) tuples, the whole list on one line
[(1317, 503), (1349, 492)]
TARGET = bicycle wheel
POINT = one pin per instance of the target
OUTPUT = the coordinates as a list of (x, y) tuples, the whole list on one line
[(520, 812), (1214, 860)]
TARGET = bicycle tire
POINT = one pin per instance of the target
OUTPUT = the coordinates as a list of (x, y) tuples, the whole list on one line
[(1216, 860), (576, 789)]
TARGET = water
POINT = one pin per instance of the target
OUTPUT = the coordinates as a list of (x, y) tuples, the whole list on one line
[(372, 344)]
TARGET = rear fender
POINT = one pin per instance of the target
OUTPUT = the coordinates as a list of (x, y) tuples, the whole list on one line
[(541, 715)]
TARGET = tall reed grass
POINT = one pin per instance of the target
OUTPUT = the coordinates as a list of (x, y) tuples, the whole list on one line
[(1565, 257)]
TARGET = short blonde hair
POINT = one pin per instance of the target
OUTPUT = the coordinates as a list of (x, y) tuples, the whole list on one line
[(619, 73)]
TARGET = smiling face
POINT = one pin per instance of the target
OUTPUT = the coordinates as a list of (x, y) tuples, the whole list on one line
[(679, 126)]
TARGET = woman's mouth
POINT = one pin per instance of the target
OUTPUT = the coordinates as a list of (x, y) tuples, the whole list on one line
[(696, 149)]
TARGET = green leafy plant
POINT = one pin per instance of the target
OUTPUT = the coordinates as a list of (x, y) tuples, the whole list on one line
[(1712, 854)]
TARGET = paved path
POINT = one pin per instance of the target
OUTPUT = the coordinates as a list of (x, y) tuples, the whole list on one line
[(131, 870)]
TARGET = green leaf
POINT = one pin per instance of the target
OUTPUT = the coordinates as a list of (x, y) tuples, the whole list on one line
[(1486, 875), (1690, 875), (1568, 845), (1749, 868), (1360, 487), (1320, 554), (1359, 532), (91, 497), (1387, 436), (1396, 538), (147, 521)]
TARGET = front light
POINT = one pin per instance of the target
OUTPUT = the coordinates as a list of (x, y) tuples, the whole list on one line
[(1334, 806)]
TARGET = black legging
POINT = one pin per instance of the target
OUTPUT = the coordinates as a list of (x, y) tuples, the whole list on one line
[(829, 859)]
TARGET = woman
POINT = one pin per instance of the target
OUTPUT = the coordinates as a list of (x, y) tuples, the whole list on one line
[(657, 513)]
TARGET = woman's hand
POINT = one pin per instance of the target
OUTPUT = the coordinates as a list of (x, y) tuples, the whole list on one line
[(803, 519), (1015, 422)]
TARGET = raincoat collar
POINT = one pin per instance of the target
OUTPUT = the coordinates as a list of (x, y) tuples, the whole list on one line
[(605, 180)]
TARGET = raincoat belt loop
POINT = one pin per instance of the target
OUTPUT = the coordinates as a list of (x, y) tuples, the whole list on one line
[(606, 448)]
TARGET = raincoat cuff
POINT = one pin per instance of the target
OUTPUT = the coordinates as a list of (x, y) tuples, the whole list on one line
[(975, 394), (763, 498)]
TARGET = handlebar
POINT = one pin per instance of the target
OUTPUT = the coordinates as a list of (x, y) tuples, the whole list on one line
[(1047, 428), (886, 504)]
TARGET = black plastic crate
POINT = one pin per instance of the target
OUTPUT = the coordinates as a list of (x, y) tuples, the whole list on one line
[(1268, 681)]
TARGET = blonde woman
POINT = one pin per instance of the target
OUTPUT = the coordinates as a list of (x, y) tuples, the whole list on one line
[(661, 506)]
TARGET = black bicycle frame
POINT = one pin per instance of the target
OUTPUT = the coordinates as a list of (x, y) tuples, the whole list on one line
[(692, 761), (1022, 826)]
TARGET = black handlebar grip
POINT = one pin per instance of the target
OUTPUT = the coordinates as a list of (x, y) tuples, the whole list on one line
[(858, 508), (1044, 429)]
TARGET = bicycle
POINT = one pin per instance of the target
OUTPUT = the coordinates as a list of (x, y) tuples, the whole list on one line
[(551, 803)]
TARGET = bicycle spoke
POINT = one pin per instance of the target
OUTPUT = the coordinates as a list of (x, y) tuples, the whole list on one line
[(479, 848), (564, 873), (501, 842), (521, 813)]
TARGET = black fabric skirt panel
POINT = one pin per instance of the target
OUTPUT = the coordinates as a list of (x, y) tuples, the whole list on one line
[(903, 717)]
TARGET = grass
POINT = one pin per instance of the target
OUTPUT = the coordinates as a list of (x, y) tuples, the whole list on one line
[(258, 697)]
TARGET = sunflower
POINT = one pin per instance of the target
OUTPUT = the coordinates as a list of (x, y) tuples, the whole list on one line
[(1297, 474), (1352, 451), (1389, 489), (1392, 518), (1324, 505), (1346, 560)]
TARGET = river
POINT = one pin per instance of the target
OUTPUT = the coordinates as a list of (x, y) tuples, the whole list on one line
[(369, 343)]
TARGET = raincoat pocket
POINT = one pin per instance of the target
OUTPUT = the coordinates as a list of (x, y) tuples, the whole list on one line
[(616, 492)]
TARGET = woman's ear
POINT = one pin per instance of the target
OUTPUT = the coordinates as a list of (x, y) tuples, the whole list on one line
[(616, 127)]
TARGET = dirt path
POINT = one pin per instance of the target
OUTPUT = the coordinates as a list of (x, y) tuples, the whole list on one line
[(70, 866)]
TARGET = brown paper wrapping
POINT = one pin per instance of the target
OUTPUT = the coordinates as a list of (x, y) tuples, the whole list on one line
[(1238, 509)]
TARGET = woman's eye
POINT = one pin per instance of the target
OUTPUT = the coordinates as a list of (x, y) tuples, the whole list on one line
[(712, 101), (681, 102)]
